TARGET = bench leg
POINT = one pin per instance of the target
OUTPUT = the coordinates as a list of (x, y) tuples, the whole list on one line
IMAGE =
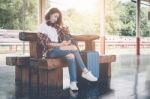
[(105, 76), (34, 80), (50, 82), (18, 73), (22, 75), (22, 80)]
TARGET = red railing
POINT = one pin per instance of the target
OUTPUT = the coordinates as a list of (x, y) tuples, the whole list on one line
[(10, 38), (122, 42)]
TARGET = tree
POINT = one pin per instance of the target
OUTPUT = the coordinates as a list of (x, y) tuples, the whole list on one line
[(128, 18), (18, 14), (82, 22), (113, 9), (145, 25), (121, 18)]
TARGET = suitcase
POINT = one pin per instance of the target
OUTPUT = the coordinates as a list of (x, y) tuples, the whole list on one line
[(91, 60)]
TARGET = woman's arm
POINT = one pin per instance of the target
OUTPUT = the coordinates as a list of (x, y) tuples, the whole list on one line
[(64, 43), (54, 44)]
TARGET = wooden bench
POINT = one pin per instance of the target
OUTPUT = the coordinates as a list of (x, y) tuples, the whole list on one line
[(45, 75)]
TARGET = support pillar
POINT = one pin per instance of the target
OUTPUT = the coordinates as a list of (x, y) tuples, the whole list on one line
[(102, 26), (138, 27), (41, 11)]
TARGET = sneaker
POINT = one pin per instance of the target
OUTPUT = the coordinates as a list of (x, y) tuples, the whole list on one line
[(73, 86), (73, 94), (89, 76)]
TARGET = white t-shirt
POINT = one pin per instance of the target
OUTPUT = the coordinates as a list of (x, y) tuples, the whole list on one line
[(50, 31)]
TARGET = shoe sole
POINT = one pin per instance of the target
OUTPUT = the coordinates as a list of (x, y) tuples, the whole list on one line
[(89, 80)]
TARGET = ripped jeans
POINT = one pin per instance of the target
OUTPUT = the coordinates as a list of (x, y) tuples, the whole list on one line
[(56, 52)]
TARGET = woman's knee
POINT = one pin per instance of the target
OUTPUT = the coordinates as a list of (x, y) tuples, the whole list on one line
[(70, 56)]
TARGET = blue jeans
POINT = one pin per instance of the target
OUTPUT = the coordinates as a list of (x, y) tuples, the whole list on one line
[(56, 52)]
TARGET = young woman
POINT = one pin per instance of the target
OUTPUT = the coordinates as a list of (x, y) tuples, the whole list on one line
[(53, 23)]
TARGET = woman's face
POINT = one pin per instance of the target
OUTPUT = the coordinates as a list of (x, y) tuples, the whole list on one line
[(54, 17)]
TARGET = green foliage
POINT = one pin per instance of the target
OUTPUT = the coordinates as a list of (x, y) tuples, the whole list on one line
[(120, 18), (18, 14), (113, 9), (127, 16), (81, 22), (145, 25)]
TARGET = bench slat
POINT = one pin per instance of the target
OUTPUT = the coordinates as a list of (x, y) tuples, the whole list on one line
[(107, 58), (18, 60), (48, 63), (28, 36), (85, 37)]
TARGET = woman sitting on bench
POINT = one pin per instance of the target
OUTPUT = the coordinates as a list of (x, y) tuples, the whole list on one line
[(61, 48)]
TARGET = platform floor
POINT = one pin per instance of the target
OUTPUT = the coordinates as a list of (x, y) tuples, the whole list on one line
[(130, 80)]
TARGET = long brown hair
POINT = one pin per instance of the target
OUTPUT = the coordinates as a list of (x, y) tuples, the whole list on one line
[(52, 11)]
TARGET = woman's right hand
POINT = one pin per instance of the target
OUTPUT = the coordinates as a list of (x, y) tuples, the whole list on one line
[(62, 44), (65, 43)]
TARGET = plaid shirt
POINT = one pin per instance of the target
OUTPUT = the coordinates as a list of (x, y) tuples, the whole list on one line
[(64, 35), (44, 40)]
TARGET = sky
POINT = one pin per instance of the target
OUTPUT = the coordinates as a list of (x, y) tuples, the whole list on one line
[(124, 1), (84, 5), (79, 5)]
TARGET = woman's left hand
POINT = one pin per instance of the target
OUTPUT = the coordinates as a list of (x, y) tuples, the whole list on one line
[(69, 47)]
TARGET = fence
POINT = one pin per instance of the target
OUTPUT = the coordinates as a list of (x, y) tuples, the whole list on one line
[(111, 42)]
